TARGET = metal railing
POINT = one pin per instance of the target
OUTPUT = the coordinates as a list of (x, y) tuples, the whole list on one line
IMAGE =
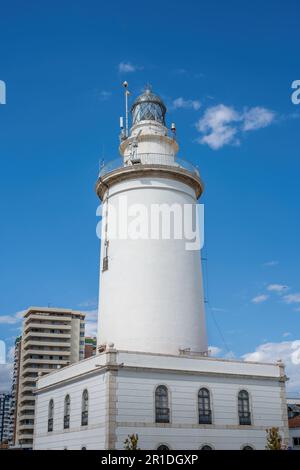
[(149, 159)]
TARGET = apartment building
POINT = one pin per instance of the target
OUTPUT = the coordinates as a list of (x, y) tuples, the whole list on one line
[(5, 403), (52, 338), (14, 391), (90, 347)]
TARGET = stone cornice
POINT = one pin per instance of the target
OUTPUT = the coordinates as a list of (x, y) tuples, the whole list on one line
[(152, 171), (117, 367)]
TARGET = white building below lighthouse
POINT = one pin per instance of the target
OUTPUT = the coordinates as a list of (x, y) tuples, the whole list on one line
[(153, 375)]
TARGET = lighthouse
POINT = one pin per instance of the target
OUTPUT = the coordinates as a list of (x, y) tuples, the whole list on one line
[(151, 295)]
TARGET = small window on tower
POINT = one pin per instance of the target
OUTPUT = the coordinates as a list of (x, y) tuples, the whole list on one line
[(105, 263)]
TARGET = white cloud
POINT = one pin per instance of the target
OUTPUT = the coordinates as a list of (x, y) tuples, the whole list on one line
[(104, 95), (128, 67), (257, 118), (90, 303), (230, 355), (91, 322), (180, 71), (11, 354), (214, 351), (216, 140), (185, 104), (287, 351), (216, 124), (279, 288), (271, 263), (6, 371), (286, 334), (12, 319), (8, 319), (259, 299), (5, 377), (221, 125), (20, 314), (184, 72), (292, 298)]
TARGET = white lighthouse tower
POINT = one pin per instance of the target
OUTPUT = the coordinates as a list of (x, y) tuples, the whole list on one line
[(151, 296)]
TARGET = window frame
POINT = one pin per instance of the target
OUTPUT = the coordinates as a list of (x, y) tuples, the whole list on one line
[(206, 444), (294, 439), (250, 447), (244, 413), (208, 398), (67, 412), (85, 408), (163, 444), (156, 408), (50, 422)]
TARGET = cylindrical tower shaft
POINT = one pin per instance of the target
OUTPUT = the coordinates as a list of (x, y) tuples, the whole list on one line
[(151, 296)]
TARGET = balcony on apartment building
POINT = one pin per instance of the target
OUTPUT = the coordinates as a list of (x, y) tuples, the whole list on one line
[(45, 334), (46, 352)]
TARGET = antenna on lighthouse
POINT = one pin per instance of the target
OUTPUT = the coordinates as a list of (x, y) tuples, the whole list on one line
[(127, 93)]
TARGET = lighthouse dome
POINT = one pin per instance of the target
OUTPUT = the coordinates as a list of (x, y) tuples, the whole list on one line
[(148, 107)]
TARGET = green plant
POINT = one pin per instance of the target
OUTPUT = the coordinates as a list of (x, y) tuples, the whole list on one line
[(131, 443), (273, 439)]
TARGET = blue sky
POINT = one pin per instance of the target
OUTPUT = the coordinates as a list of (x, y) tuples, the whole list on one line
[(225, 72)]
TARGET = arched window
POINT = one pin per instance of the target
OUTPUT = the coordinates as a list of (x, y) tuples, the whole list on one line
[(206, 447), (163, 447), (67, 412), (50, 415), (247, 447), (85, 408), (204, 406), (162, 412), (244, 408)]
